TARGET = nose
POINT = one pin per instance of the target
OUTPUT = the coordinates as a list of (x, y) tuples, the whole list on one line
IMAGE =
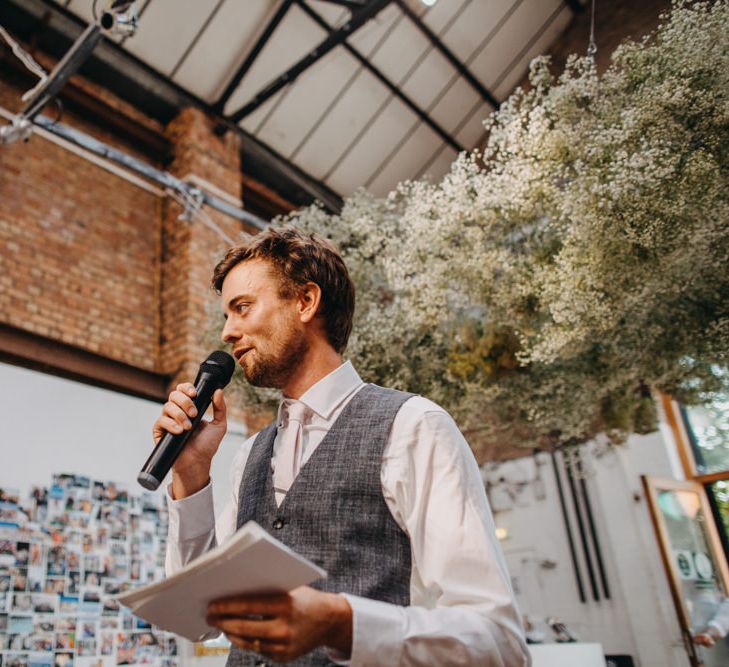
[(229, 334)]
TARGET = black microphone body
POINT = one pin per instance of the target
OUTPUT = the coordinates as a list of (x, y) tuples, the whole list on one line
[(215, 373)]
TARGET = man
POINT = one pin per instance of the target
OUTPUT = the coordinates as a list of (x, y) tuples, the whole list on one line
[(378, 487)]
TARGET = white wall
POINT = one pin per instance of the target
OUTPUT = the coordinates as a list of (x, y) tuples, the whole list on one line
[(639, 618), (53, 425)]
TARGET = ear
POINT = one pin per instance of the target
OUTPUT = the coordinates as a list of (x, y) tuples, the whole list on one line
[(309, 300)]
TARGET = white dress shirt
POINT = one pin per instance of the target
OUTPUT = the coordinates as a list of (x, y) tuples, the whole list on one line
[(462, 609)]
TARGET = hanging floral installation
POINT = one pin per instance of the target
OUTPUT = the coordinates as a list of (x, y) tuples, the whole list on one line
[(542, 290)]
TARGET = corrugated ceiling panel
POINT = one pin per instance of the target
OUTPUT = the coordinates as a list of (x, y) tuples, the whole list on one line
[(307, 100), (426, 82), (406, 161), (541, 45), (400, 52), (477, 20), (344, 122), (368, 153), (437, 168), (438, 16), (521, 26), (471, 129), (296, 36), (458, 99), (370, 34), (165, 31), (208, 67)]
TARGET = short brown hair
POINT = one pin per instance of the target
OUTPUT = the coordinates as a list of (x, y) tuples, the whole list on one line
[(298, 259)]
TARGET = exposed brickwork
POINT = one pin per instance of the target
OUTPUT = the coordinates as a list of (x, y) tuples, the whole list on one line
[(189, 251), (79, 251)]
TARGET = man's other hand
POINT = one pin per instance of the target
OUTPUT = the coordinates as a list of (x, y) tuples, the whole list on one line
[(285, 626)]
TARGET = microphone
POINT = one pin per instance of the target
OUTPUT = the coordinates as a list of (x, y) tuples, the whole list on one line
[(215, 372)]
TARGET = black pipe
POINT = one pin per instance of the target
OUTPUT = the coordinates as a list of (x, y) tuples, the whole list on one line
[(583, 536), (591, 525), (570, 540)]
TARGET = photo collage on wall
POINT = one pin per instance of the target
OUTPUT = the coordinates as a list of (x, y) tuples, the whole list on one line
[(64, 555)]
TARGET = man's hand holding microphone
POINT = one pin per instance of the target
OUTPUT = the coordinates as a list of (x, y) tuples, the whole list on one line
[(183, 440)]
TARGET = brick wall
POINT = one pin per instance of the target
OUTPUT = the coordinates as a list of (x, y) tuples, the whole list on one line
[(80, 247)]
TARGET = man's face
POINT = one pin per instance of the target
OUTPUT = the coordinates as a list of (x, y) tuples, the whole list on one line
[(263, 329)]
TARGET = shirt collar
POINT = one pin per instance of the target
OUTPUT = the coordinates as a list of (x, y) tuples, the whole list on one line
[(327, 394)]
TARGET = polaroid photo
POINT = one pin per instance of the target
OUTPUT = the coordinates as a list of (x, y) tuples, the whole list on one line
[(106, 643), (56, 561), (86, 629), (40, 660), (65, 624), (55, 585), (118, 530), (63, 480), (22, 554), (125, 649), (44, 604), (20, 625), (11, 496), (117, 548), (16, 660), (43, 625), (110, 607), (81, 482), (73, 557), (18, 642), (41, 643), (68, 604), (20, 578), (65, 641), (22, 603), (7, 552), (9, 515), (92, 563), (73, 583), (120, 568), (109, 623), (111, 586), (92, 579), (90, 604), (63, 659), (102, 536)]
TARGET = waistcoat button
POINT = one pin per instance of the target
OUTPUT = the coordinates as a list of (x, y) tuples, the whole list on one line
[(278, 523)]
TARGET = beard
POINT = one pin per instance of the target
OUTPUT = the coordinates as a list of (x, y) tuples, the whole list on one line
[(273, 367)]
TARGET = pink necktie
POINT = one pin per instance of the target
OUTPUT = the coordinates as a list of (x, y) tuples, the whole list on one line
[(288, 457)]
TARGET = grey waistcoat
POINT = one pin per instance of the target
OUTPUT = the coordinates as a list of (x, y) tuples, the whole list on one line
[(334, 513)]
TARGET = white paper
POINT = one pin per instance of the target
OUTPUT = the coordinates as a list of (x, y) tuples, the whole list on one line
[(252, 561)]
